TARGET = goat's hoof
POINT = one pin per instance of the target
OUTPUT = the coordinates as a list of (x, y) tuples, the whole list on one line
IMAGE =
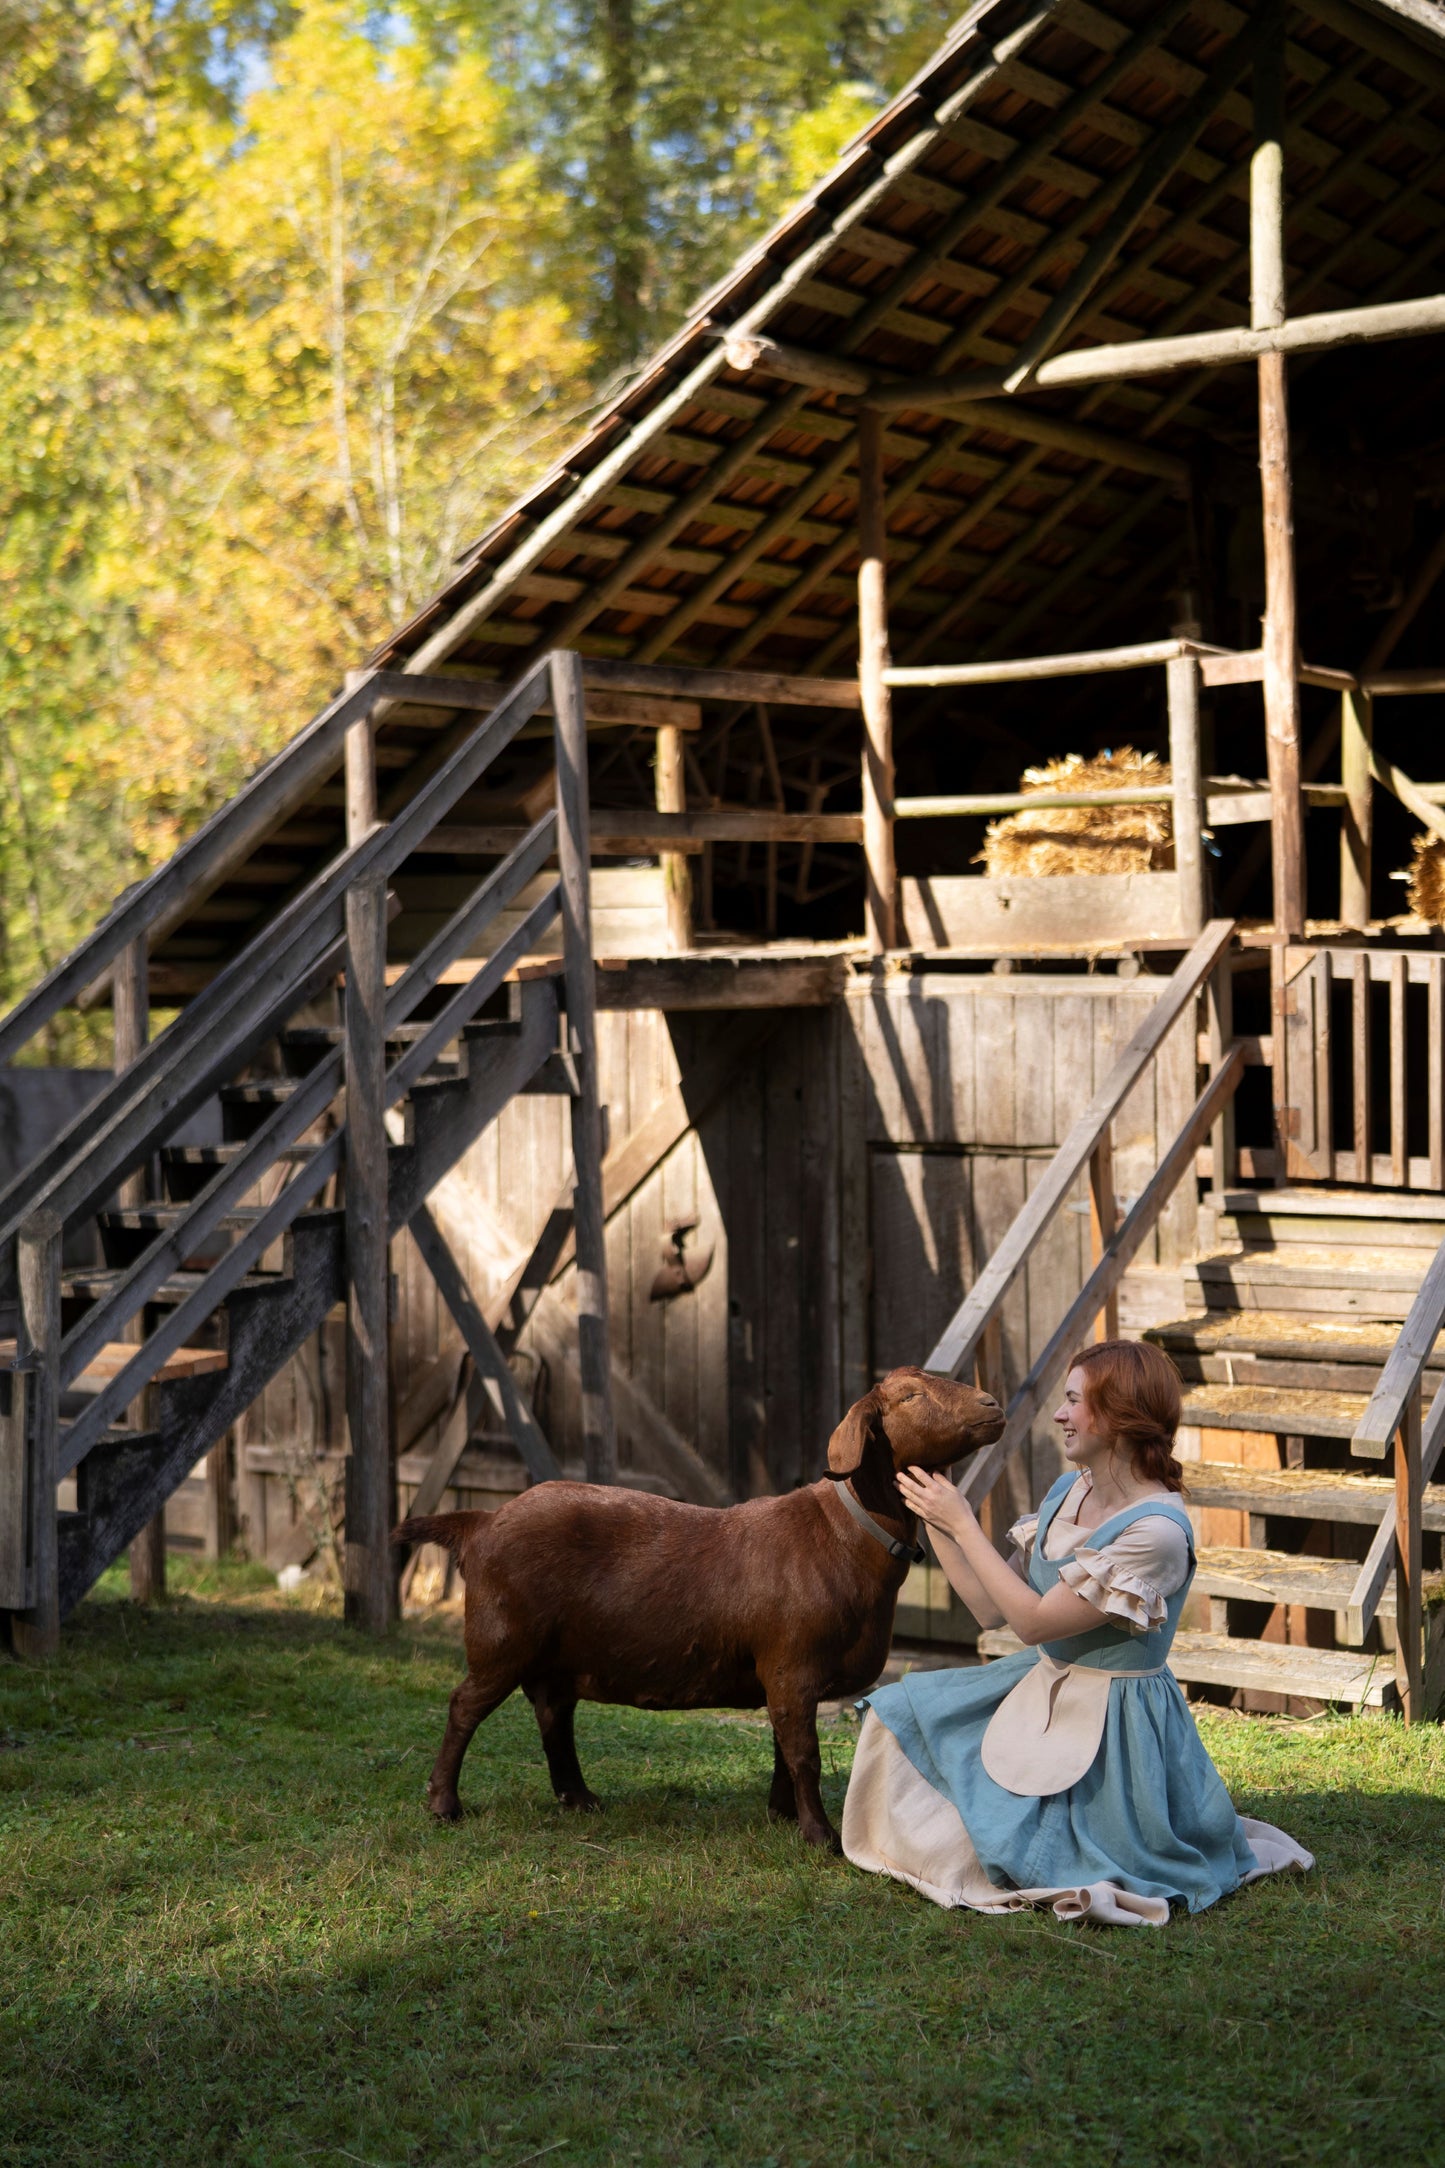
[(583, 1802), (824, 1835), (782, 1811), (446, 1808)]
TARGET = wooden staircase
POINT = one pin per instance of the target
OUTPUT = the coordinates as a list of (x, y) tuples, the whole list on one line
[(122, 1376), (1294, 1318)]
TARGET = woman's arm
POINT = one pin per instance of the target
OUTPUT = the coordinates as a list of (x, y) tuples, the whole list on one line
[(1034, 1618), (964, 1582)]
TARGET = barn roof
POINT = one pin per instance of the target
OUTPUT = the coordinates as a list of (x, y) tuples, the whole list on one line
[(709, 515)]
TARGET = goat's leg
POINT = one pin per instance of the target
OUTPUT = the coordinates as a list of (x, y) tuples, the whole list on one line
[(473, 1700), (782, 1799), (794, 1715), (555, 1712)]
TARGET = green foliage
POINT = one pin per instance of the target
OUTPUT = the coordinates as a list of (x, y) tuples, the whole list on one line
[(294, 296), (232, 1935)]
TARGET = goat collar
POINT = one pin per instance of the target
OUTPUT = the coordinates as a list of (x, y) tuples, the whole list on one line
[(895, 1546)]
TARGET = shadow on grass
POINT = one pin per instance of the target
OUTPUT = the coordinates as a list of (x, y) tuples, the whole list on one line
[(233, 1934)]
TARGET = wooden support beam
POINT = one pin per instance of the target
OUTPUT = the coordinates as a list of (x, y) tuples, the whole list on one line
[(35, 1631), (1027, 669), (130, 1035), (1281, 626), (599, 1436), (1357, 730), (14, 1481), (492, 1367), (1103, 1219), (880, 871), (778, 688), (671, 787), (1409, 1564), (1182, 675), (750, 351), (370, 1572)]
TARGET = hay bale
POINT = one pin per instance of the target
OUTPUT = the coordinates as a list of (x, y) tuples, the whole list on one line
[(1085, 839), (1425, 891)]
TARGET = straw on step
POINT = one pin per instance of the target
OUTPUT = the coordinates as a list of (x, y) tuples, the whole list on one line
[(1085, 839)]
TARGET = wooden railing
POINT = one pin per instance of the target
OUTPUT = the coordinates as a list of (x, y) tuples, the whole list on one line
[(964, 1343), (1394, 1417), (336, 923), (1334, 1045)]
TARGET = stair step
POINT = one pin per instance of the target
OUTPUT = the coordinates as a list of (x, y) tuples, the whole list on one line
[(1292, 1411), (154, 1218), (264, 1092), (1304, 1494), (92, 1283), (110, 1360), (1347, 1281), (1282, 1335), (1270, 1667), (1321, 1584)]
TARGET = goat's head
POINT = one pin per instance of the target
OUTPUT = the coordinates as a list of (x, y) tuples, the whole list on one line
[(913, 1419)]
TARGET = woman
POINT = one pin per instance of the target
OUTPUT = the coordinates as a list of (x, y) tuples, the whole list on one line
[(1070, 1774)]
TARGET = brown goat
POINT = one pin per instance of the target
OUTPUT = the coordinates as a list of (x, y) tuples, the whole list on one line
[(576, 1592)]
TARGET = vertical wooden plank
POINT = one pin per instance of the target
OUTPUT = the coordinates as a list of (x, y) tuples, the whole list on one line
[(35, 1631), (1033, 1040), (599, 1437), (1397, 966), (1409, 1613), (781, 1321), (994, 1053), (854, 1251), (130, 1025), (1103, 1218), (956, 1049), (817, 1354), (881, 904), (14, 1489), (1357, 730), (1360, 1060), (370, 1597), (676, 874), (713, 1294), (747, 1293), (1281, 636), (1219, 998), (1182, 675), (1435, 1067), (1322, 976)]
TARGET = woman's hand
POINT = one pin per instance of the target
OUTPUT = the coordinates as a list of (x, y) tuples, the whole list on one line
[(934, 1499)]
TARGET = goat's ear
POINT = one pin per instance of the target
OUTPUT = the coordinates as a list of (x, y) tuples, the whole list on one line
[(861, 1427)]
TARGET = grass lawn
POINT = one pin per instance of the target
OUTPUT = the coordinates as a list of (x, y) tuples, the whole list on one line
[(231, 1933)]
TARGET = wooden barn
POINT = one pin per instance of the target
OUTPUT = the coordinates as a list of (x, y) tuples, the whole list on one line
[(596, 1047)]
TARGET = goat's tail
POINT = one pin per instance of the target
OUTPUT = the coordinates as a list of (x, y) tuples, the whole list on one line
[(452, 1530)]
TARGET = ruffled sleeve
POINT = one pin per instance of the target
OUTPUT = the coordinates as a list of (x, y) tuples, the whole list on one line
[(1022, 1534), (1132, 1578)]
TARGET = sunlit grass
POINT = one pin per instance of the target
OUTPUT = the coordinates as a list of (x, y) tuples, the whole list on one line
[(231, 1933)]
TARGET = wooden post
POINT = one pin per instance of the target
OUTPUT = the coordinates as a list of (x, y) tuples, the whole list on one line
[(1103, 1219), (1281, 628), (1219, 996), (1409, 1609), (1357, 734), (1182, 675), (130, 1035), (881, 922), (599, 1437), (370, 1574), (35, 1631), (676, 873)]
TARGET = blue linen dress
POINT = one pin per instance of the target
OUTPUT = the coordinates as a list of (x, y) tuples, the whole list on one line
[(1151, 1815)]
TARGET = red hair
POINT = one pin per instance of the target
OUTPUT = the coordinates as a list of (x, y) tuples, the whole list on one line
[(1132, 1393)]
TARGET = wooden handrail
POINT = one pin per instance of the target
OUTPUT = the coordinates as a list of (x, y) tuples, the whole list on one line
[(1404, 1366), (106, 1320), (1029, 669), (115, 1130), (1364, 1597), (1106, 1275), (958, 1345)]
